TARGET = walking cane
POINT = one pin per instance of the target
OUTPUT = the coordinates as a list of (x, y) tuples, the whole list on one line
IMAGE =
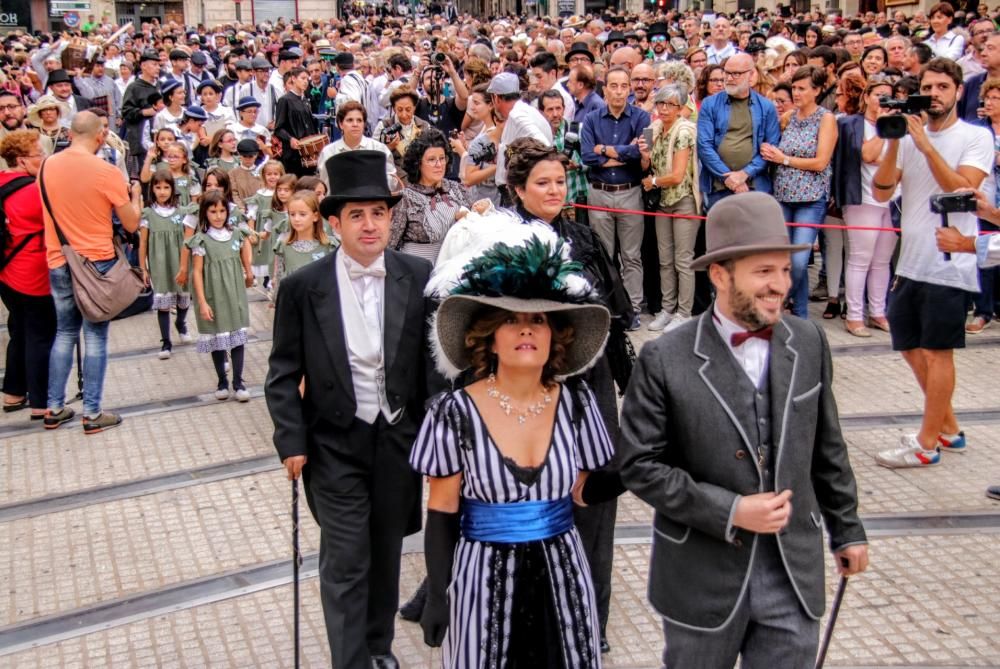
[(834, 612), (296, 562)]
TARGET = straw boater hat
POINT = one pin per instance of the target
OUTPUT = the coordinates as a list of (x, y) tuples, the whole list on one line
[(744, 224), (47, 102), (524, 276)]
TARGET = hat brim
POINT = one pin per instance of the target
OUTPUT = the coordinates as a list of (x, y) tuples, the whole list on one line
[(590, 322), (733, 252), (582, 52), (328, 206)]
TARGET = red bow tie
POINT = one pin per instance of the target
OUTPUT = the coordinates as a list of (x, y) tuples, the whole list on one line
[(738, 338)]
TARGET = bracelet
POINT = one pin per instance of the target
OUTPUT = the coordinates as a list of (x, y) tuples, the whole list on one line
[(883, 186)]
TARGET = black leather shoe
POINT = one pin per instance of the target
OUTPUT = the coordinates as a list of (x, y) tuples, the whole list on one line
[(385, 662), (413, 609), (605, 646)]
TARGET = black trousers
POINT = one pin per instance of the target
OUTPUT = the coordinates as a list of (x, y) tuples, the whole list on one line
[(365, 497), (31, 325)]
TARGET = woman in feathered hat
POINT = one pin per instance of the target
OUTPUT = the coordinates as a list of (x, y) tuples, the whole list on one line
[(506, 455)]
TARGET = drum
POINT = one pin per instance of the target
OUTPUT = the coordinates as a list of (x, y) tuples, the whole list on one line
[(75, 54), (310, 147)]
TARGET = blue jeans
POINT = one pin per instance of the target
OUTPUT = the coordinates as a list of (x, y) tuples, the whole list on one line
[(803, 212), (987, 305), (69, 320)]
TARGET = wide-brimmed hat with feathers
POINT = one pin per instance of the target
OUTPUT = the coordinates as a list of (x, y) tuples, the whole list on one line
[(530, 273)]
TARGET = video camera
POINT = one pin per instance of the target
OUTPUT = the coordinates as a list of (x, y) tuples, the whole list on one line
[(571, 139), (482, 153), (894, 126), (953, 203)]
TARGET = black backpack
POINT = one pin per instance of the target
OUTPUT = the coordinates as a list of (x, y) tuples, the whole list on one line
[(7, 190)]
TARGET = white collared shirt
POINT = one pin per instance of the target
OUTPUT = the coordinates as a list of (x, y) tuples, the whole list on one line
[(716, 56), (370, 292), (752, 355), (950, 45)]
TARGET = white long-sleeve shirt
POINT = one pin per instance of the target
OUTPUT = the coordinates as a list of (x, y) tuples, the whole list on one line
[(523, 121)]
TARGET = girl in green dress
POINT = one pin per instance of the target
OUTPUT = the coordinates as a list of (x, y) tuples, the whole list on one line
[(306, 240), (222, 150), (185, 180), (161, 238), (221, 276), (272, 224), (258, 210)]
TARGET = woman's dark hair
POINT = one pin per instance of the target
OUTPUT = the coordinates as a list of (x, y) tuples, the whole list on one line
[(307, 183), (479, 341), (429, 139), (522, 156), (208, 200), (783, 86), (164, 176), (907, 86), (403, 92), (213, 146), (701, 87), (348, 107), (222, 179), (813, 74), (815, 29)]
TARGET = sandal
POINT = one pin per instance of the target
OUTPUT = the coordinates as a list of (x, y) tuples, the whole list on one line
[(832, 310), (11, 407), (858, 330)]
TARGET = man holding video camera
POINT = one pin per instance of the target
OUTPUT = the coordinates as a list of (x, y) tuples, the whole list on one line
[(927, 304)]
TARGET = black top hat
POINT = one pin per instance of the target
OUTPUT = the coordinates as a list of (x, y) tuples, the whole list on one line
[(658, 28), (579, 48), (58, 77), (615, 36), (360, 177)]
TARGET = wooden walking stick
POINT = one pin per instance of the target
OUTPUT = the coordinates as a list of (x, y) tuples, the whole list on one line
[(834, 612), (296, 563)]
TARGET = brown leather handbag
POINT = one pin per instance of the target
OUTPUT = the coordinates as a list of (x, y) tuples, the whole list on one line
[(99, 297)]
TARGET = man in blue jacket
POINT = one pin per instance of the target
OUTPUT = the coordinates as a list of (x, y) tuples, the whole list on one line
[(731, 127)]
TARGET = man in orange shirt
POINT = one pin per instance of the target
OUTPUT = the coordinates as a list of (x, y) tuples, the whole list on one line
[(82, 207)]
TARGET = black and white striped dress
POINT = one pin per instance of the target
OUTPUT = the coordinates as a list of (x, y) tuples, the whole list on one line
[(490, 579)]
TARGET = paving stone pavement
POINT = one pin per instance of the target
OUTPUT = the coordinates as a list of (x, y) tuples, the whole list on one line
[(930, 599)]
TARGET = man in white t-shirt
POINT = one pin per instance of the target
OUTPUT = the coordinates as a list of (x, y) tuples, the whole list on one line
[(927, 302), (520, 120)]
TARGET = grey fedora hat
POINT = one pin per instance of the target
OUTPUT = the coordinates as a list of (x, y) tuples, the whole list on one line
[(590, 323), (744, 224)]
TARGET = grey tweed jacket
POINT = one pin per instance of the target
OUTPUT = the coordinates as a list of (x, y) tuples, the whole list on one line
[(687, 450)]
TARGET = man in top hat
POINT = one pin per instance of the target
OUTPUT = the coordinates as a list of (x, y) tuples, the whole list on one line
[(659, 41), (730, 432), (353, 326), (61, 87)]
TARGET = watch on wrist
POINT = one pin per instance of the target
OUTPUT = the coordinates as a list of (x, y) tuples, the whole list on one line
[(785, 161)]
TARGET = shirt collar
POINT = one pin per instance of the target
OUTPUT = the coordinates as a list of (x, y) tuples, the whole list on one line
[(726, 327), (627, 112), (350, 262)]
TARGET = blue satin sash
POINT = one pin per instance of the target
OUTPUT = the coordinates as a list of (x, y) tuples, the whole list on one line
[(516, 522)]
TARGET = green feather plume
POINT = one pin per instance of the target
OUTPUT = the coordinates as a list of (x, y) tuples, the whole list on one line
[(534, 270)]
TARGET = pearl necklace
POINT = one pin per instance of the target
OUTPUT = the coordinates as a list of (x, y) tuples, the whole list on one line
[(523, 415)]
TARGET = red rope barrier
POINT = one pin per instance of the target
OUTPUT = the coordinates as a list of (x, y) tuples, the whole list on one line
[(826, 226)]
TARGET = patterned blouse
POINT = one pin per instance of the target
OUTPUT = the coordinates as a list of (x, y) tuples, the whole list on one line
[(423, 217), (799, 140), (662, 162)]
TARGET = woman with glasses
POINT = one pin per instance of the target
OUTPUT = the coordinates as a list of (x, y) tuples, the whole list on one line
[(802, 176), (672, 158), (869, 251), (431, 203), (24, 279), (711, 81), (696, 59)]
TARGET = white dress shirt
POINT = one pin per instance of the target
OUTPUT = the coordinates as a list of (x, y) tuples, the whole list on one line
[(523, 121), (716, 56), (949, 45), (752, 355)]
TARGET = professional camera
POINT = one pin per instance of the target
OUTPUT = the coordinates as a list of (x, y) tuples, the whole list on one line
[(953, 203), (439, 58), (481, 153), (571, 140), (390, 130), (894, 126)]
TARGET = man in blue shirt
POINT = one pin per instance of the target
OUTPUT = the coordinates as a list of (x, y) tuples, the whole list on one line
[(581, 85), (609, 141), (731, 127)]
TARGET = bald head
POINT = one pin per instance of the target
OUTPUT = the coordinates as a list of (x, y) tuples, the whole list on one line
[(626, 56), (85, 125)]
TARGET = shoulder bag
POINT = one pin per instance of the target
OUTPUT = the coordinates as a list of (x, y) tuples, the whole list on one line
[(99, 297)]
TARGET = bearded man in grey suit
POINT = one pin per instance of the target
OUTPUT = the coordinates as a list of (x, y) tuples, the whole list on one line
[(730, 432)]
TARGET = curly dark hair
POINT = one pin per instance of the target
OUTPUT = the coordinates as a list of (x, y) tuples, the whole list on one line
[(479, 341), (522, 156), (429, 139)]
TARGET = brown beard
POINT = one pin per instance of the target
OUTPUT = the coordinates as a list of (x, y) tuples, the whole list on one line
[(742, 308)]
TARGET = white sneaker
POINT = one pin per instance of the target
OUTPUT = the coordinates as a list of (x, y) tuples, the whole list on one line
[(185, 337), (660, 321), (909, 454), (164, 354), (222, 394), (677, 321), (242, 395)]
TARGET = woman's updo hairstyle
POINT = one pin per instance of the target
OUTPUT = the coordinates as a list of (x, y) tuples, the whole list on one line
[(522, 156)]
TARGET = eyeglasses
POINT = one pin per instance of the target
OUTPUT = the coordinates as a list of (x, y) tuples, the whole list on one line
[(642, 80), (735, 75), (4, 108), (977, 33), (673, 105), (658, 38), (440, 160), (716, 80)]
